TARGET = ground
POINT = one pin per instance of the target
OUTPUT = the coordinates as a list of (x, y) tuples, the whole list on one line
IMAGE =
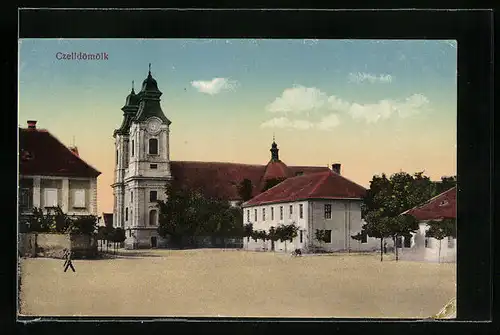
[(214, 282)]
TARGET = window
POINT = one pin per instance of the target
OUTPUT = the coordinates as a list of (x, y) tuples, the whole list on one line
[(328, 236), (116, 157), (153, 217), (153, 146), (301, 211), (291, 210), (25, 198), (407, 242), (263, 214), (153, 196), (255, 215), (328, 211), (364, 238), (153, 166), (281, 212), (131, 196), (126, 214), (300, 235), (248, 215), (427, 242), (132, 151), (79, 199), (50, 197), (272, 213), (451, 242)]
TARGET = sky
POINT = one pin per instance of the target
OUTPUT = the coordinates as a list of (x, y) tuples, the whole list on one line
[(375, 106)]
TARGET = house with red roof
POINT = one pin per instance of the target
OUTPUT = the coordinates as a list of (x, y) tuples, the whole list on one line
[(424, 248), (52, 174), (323, 200)]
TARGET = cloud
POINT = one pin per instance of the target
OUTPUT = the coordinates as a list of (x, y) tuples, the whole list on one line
[(372, 113), (283, 122), (360, 77), (215, 85), (298, 99), (329, 122)]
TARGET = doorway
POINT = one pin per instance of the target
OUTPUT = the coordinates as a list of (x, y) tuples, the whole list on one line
[(153, 241)]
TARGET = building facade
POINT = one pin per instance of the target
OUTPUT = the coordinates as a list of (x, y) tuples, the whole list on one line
[(323, 201), (424, 248), (52, 175), (143, 169)]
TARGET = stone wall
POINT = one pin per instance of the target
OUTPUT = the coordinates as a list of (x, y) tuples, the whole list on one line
[(53, 245)]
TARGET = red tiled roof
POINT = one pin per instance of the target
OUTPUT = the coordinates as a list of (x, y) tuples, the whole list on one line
[(441, 206), (276, 169), (320, 185), (217, 179), (40, 153)]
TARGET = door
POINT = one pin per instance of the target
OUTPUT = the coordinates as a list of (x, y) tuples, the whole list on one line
[(153, 241)]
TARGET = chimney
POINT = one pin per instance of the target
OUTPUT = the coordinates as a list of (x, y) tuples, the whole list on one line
[(31, 124), (74, 150), (336, 168)]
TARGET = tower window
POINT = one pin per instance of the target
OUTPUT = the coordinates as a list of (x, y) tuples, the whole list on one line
[(132, 151), (153, 146), (153, 196), (131, 196), (116, 157), (126, 214), (153, 166)]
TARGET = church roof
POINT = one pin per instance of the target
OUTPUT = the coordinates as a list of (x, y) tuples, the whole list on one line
[(320, 185), (221, 180), (442, 206), (149, 101), (40, 153)]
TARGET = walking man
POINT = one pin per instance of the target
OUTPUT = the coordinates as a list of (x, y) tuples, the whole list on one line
[(67, 262)]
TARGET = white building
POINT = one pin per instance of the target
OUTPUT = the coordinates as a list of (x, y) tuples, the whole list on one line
[(423, 248), (142, 165), (51, 175), (318, 201)]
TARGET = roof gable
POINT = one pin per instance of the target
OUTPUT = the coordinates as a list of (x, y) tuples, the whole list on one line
[(40, 153), (319, 185), (442, 206)]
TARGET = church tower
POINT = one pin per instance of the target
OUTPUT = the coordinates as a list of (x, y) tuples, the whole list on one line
[(146, 165)]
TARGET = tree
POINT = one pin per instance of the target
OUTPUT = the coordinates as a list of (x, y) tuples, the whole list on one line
[(245, 190), (53, 220), (287, 233), (321, 236), (440, 229), (247, 230), (445, 184), (83, 225), (387, 198), (272, 236), (271, 182)]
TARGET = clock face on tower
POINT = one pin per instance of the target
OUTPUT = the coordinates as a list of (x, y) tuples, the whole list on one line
[(153, 126)]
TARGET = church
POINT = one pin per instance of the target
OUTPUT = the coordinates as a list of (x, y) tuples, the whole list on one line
[(143, 168)]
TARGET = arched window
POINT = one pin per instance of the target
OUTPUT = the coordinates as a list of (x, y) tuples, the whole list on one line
[(126, 214), (153, 217), (116, 157), (153, 146)]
